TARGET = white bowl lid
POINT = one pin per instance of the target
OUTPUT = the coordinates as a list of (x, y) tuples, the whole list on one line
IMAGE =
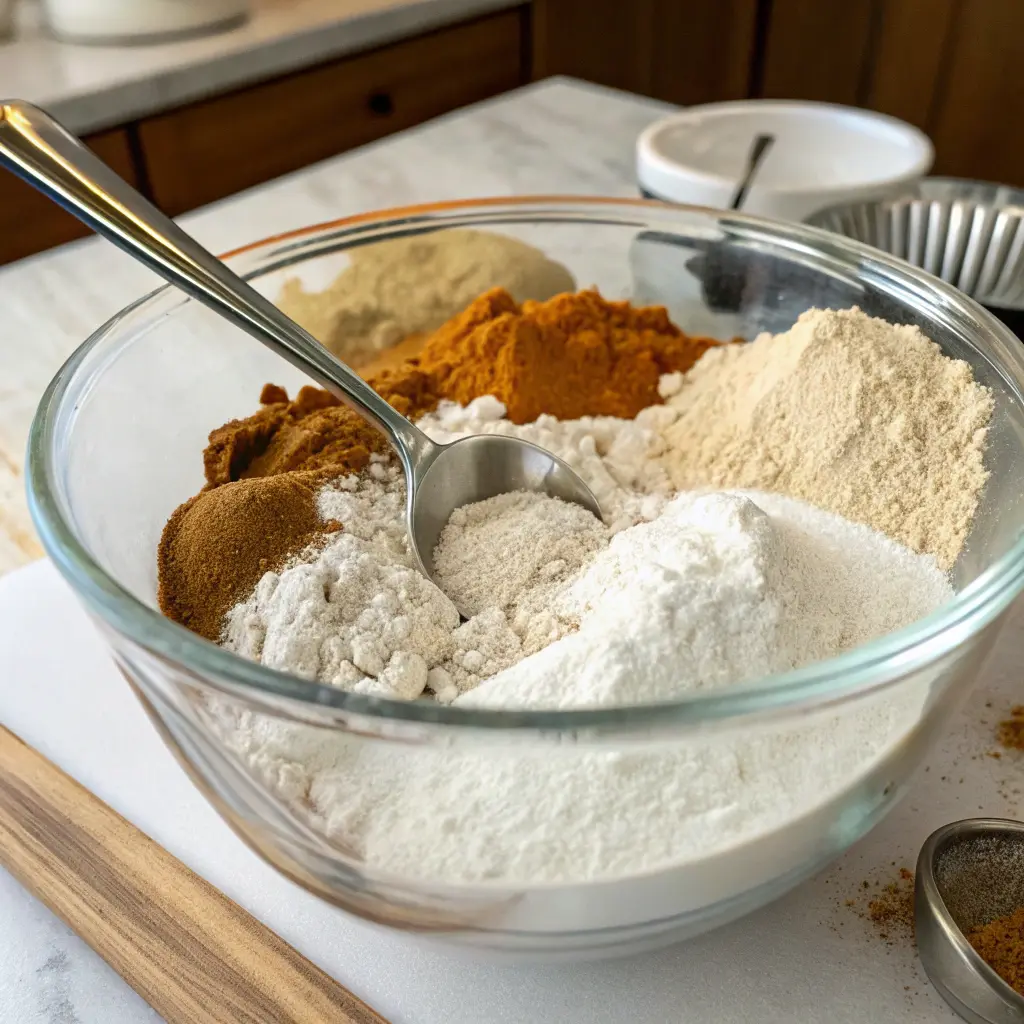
[(819, 147)]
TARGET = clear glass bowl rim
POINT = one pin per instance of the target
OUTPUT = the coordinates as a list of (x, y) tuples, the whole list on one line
[(853, 673)]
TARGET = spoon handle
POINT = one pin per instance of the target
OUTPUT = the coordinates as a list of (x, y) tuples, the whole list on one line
[(43, 153)]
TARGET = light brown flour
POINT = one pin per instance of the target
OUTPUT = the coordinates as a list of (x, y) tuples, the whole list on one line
[(404, 286), (858, 416)]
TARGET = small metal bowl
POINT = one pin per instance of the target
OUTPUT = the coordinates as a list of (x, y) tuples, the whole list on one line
[(969, 233), (969, 873)]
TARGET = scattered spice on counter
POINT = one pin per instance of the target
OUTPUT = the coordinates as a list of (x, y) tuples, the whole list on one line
[(889, 907), (892, 910), (1010, 733), (412, 285), (1000, 943)]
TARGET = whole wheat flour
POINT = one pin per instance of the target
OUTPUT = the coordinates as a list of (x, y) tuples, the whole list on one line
[(412, 285), (856, 415)]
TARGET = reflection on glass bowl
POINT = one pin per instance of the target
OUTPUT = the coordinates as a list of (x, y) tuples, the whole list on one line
[(116, 447)]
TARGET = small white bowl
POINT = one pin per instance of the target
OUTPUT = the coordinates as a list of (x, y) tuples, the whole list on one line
[(823, 154)]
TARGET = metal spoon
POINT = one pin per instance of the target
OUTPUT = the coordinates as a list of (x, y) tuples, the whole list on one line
[(758, 151), (969, 873), (439, 478)]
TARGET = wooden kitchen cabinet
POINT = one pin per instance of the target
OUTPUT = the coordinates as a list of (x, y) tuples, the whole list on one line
[(682, 51), (952, 67), (816, 50), (29, 222), (887, 55), (212, 149), (979, 106)]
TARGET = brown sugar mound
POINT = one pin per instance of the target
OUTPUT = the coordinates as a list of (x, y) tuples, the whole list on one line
[(313, 432), (220, 543), (574, 355)]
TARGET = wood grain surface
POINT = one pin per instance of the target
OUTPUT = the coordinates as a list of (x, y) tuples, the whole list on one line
[(194, 955), (980, 102), (30, 222), (682, 51)]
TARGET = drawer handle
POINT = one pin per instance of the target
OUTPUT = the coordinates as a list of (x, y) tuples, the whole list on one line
[(381, 104)]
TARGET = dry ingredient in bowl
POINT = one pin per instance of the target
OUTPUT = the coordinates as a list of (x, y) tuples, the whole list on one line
[(576, 352), (406, 286), (673, 593), (469, 815), (856, 415), (717, 589)]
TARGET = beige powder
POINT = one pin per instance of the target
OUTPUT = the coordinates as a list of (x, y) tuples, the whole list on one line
[(858, 416), (406, 286)]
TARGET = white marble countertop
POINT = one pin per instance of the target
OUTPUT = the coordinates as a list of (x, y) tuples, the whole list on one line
[(557, 136), (94, 87)]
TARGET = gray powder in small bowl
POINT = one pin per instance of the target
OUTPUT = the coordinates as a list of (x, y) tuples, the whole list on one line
[(407, 286)]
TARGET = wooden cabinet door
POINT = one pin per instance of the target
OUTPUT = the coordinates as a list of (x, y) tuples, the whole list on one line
[(979, 108), (816, 50), (30, 223), (682, 51), (212, 149)]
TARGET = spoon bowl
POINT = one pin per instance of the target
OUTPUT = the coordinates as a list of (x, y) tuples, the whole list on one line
[(479, 467), (969, 873), (439, 478)]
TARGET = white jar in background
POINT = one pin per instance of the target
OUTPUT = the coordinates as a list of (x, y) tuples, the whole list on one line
[(114, 21)]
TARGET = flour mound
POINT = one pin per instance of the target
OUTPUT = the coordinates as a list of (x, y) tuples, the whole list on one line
[(495, 553), (356, 614), (858, 416), (721, 589), (618, 459)]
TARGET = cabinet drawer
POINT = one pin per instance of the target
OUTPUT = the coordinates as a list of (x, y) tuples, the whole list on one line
[(29, 222), (212, 149)]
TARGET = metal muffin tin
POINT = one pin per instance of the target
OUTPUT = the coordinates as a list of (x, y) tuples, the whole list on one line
[(969, 233)]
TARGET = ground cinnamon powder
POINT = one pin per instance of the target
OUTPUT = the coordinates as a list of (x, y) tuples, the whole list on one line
[(574, 355), (1000, 943), (892, 910), (1011, 730), (221, 542)]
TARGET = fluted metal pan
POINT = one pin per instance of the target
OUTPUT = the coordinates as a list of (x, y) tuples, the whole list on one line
[(969, 233)]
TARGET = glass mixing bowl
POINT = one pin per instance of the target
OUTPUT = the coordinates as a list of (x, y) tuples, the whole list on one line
[(117, 444)]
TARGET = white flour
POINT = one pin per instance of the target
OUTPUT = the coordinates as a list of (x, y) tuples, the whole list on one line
[(489, 813), (715, 589), (358, 614), (720, 589)]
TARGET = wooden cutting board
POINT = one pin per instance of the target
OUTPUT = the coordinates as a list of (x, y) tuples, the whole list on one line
[(194, 955)]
